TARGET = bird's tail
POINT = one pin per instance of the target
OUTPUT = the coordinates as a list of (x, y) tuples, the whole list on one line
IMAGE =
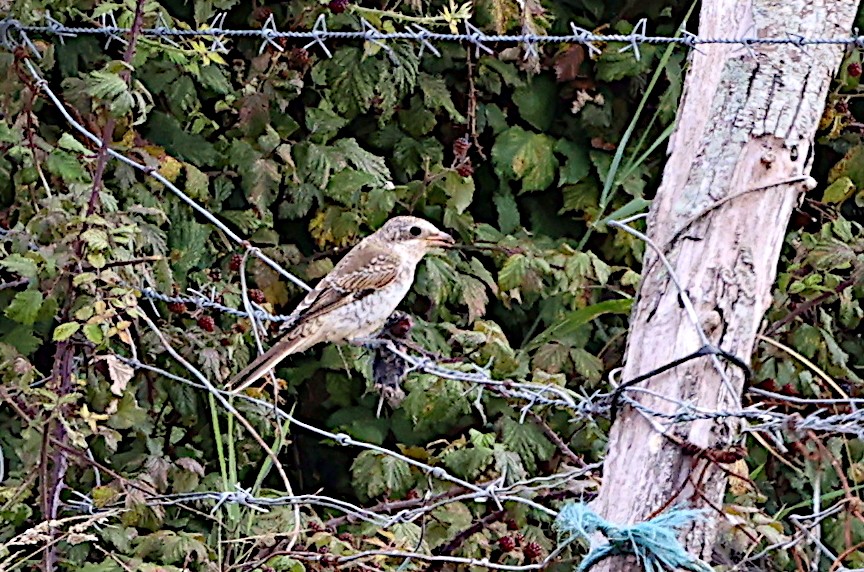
[(293, 342)]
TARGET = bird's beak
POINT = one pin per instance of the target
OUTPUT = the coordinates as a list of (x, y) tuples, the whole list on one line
[(441, 239)]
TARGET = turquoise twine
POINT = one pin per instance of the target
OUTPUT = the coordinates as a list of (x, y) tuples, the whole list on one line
[(654, 543)]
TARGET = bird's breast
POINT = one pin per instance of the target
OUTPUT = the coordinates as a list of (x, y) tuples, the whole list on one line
[(367, 315)]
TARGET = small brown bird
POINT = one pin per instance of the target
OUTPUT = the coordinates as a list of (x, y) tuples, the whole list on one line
[(355, 299)]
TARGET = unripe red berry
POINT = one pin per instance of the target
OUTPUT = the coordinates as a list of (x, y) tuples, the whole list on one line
[(236, 262), (854, 69), (461, 146), (506, 543), (257, 296), (206, 323), (177, 307)]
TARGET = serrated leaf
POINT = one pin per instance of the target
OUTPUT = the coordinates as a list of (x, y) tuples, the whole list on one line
[(509, 464), (21, 265), (24, 307), (363, 160), (613, 64), (551, 357), (508, 211), (436, 95), (375, 474), (65, 331), (474, 296), (67, 166), (468, 463), (96, 238), (527, 440), (323, 124), (525, 156), (587, 364), (21, 338), (513, 272)]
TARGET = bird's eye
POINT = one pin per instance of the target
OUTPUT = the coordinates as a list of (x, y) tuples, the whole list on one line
[(414, 231)]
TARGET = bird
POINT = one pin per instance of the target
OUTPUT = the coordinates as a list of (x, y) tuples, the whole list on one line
[(357, 297)]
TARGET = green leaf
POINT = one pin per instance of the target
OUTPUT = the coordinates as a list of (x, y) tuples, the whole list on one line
[(579, 318), (21, 265), (509, 464), (25, 307), (93, 332), (363, 160), (614, 64), (525, 156), (508, 211), (513, 272), (22, 339), (577, 165), (468, 463), (551, 357), (67, 166), (460, 191), (344, 185), (212, 77), (838, 191), (527, 440), (65, 331), (474, 296), (537, 101), (323, 124), (587, 364), (69, 143), (375, 474), (96, 238), (436, 95)]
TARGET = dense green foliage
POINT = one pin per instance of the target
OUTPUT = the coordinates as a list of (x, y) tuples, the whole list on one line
[(305, 154)]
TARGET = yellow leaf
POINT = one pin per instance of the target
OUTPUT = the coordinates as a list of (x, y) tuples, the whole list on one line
[(170, 168), (91, 418)]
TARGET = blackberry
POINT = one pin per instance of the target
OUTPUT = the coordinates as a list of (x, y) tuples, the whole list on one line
[(533, 551), (207, 323), (338, 6)]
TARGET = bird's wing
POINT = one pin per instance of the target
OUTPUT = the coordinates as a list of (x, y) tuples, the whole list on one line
[(367, 268)]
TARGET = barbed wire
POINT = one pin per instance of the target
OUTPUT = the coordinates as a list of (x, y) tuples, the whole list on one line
[(579, 406), (320, 34)]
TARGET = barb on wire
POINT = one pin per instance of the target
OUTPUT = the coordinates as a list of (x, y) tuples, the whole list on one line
[(319, 34), (636, 37), (112, 30), (267, 31)]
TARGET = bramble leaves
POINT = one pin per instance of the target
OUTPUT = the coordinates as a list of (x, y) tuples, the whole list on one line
[(525, 156)]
